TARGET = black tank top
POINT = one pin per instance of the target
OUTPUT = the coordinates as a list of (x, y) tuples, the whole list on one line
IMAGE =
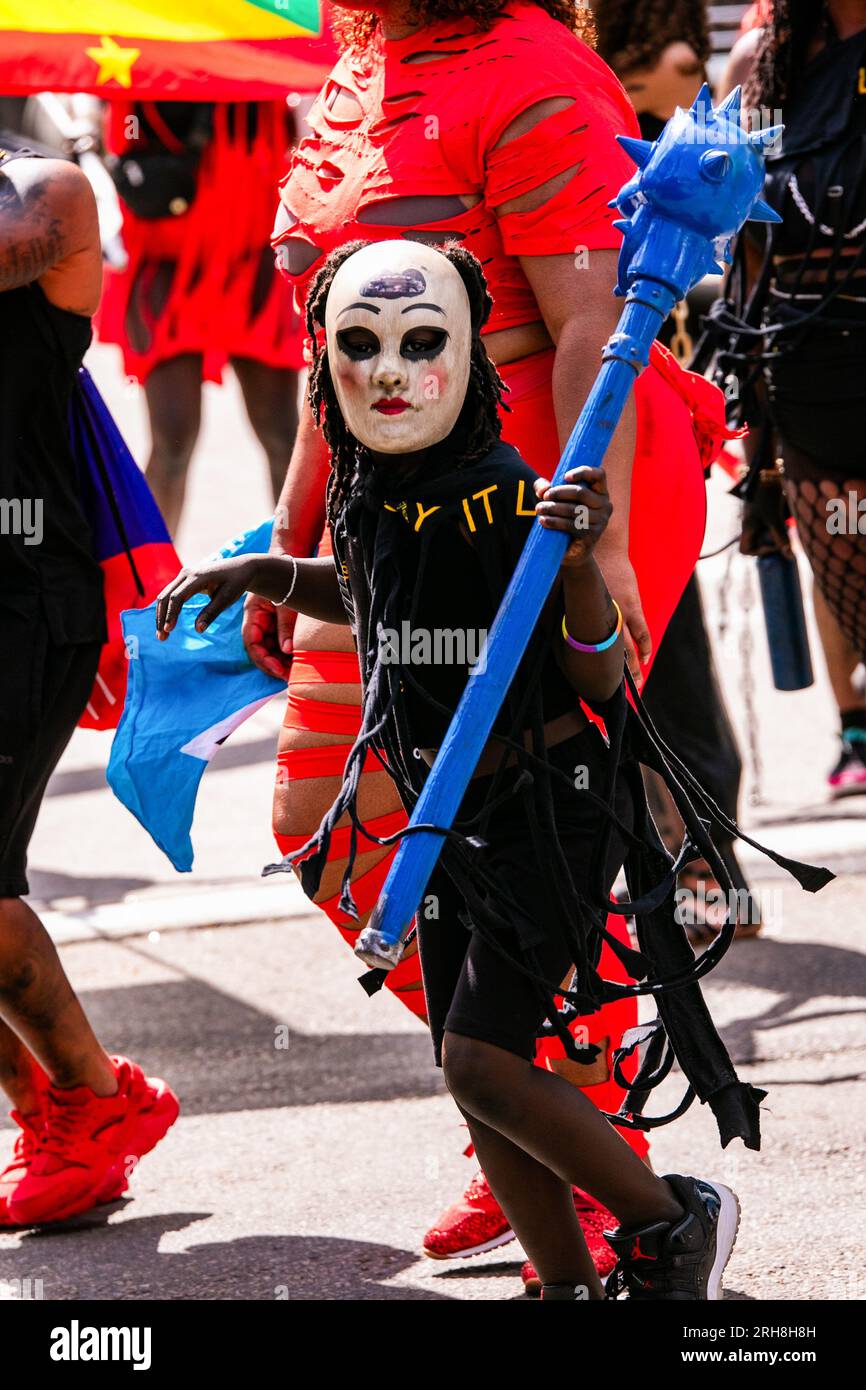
[(46, 553), (817, 180)]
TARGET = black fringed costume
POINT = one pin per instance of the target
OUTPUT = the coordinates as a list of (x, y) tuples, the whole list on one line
[(436, 550)]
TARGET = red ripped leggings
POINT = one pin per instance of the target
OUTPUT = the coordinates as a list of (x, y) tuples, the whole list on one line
[(300, 764), (667, 526)]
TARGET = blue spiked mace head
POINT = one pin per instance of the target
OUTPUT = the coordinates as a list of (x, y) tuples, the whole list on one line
[(694, 188)]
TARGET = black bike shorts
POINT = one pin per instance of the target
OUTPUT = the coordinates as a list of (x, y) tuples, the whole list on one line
[(44, 688)]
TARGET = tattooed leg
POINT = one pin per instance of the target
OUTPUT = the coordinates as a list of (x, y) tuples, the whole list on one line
[(39, 1007)]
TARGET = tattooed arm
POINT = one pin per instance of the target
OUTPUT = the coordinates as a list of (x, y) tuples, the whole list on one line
[(49, 233)]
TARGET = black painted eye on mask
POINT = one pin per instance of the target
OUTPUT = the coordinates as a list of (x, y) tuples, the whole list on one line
[(423, 343), (358, 343)]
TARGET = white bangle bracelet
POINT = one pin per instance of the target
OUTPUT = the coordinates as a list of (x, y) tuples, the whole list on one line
[(281, 602)]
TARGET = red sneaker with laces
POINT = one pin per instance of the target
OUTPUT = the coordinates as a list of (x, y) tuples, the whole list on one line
[(22, 1156), (593, 1218), (87, 1143), (475, 1223)]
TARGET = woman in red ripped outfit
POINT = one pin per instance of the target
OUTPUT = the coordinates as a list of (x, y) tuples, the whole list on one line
[(492, 125), (199, 290)]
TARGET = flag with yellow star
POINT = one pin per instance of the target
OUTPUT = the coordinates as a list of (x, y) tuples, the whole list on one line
[(219, 50)]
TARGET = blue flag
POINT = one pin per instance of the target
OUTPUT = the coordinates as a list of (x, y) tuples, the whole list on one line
[(184, 698)]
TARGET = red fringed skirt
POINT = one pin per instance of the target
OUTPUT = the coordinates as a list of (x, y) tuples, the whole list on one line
[(205, 282)]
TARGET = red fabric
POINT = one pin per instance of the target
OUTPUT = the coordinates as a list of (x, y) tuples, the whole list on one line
[(757, 15), (224, 299), (327, 761), (405, 979), (668, 496), (605, 1029), (341, 838), (156, 564), (704, 402), (430, 129), (334, 668), (730, 464)]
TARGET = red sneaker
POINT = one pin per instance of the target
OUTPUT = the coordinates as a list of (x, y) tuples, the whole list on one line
[(22, 1156), (594, 1218), (472, 1225), (87, 1143)]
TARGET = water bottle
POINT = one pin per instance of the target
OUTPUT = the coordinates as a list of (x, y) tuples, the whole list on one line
[(785, 620)]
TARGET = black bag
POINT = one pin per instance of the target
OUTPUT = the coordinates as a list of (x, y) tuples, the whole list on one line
[(161, 180)]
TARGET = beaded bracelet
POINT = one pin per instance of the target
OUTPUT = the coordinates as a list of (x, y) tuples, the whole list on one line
[(593, 647), (282, 601)]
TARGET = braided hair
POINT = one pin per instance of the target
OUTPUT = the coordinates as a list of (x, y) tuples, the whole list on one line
[(355, 28), (630, 37), (783, 50), (479, 417)]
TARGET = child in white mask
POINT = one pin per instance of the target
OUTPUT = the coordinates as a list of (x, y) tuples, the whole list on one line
[(429, 512)]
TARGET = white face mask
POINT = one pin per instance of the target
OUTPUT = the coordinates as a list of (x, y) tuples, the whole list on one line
[(399, 334)]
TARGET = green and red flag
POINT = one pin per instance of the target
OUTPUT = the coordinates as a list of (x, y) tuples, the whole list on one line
[(181, 50)]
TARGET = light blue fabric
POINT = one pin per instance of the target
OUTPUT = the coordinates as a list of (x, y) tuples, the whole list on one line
[(184, 697)]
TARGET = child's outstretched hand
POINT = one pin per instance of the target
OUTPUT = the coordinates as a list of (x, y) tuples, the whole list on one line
[(580, 507), (224, 580)]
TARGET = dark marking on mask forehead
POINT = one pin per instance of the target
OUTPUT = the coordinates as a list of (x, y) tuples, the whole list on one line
[(395, 284)]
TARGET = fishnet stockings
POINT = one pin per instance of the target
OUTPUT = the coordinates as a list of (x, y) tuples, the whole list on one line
[(835, 547)]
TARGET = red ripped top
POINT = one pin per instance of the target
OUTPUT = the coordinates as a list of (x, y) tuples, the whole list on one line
[(419, 118)]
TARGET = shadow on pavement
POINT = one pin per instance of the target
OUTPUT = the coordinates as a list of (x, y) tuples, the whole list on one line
[(799, 972), (123, 1261), (47, 887), (219, 1053), (818, 813)]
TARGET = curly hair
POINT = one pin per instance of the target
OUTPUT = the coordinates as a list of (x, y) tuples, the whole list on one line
[(479, 416), (632, 36), (782, 52), (355, 28)]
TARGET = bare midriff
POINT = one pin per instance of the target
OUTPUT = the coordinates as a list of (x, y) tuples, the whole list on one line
[(818, 276)]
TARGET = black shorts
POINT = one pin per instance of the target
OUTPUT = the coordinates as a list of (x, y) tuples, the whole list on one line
[(817, 402), (470, 988), (43, 691)]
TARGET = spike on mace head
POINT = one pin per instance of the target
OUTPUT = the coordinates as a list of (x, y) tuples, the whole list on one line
[(703, 101), (638, 151), (714, 165), (732, 104), (765, 139)]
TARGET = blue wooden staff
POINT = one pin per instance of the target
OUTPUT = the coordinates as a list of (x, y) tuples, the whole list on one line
[(694, 188)]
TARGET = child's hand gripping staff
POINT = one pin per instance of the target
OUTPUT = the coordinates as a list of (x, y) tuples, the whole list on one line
[(693, 190)]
